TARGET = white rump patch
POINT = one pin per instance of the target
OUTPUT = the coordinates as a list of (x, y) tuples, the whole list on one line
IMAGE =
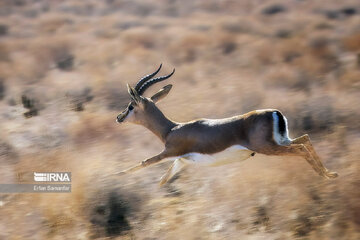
[(279, 139), (231, 154)]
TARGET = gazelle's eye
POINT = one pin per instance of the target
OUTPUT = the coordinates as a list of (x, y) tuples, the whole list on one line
[(131, 107)]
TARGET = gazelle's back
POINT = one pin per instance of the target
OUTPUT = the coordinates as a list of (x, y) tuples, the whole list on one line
[(215, 135)]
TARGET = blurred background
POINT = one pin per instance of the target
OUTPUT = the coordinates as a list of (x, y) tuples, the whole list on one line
[(64, 65)]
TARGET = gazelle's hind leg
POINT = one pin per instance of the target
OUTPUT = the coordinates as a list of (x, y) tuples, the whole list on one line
[(175, 168), (305, 139), (302, 150)]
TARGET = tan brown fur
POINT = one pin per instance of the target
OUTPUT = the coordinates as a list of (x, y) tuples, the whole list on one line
[(253, 130)]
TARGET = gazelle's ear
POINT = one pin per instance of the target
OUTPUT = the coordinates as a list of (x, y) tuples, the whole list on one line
[(133, 94), (161, 93)]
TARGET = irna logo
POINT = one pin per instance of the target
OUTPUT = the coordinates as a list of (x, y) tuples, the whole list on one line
[(52, 177)]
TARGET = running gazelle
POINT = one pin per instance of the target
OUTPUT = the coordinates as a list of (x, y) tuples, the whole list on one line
[(213, 141)]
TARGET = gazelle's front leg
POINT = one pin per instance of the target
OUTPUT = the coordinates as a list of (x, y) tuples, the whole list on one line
[(305, 139), (145, 163)]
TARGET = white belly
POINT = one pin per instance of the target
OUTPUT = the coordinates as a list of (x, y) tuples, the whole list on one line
[(234, 153)]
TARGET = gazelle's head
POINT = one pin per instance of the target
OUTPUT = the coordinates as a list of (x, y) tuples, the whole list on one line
[(140, 108)]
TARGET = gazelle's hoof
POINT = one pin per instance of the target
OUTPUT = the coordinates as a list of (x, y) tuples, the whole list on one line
[(162, 181), (120, 173), (330, 175)]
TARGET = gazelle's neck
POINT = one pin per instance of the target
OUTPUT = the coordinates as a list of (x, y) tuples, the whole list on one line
[(158, 123)]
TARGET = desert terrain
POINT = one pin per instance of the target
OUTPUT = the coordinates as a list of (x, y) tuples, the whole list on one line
[(64, 66)]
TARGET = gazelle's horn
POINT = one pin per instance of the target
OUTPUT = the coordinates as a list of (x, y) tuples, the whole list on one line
[(146, 78), (147, 84)]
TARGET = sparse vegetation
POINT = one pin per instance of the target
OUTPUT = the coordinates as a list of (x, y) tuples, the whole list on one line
[(3, 30), (273, 9), (64, 66)]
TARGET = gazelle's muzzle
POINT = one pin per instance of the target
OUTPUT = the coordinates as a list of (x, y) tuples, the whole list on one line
[(121, 117)]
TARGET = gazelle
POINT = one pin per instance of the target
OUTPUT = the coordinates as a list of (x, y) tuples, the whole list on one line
[(213, 141)]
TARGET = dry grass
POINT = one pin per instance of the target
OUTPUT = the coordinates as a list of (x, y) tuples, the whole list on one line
[(69, 61), (352, 42)]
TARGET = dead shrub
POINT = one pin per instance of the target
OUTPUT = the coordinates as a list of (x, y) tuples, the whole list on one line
[(4, 29), (323, 26), (290, 49), (331, 14), (283, 33), (227, 43), (127, 25), (302, 226), (77, 8), (109, 212), (321, 50), (228, 47), (315, 115), (31, 104), (262, 218), (65, 62), (273, 9), (30, 63), (78, 98), (318, 57), (115, 98), (236, 27), (143, 9), (349, 11), (56, 52), (320, 47), (62, 57), (34, 99), (7, 153)]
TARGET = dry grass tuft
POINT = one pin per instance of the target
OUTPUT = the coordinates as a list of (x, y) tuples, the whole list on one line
[(92, 128)]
